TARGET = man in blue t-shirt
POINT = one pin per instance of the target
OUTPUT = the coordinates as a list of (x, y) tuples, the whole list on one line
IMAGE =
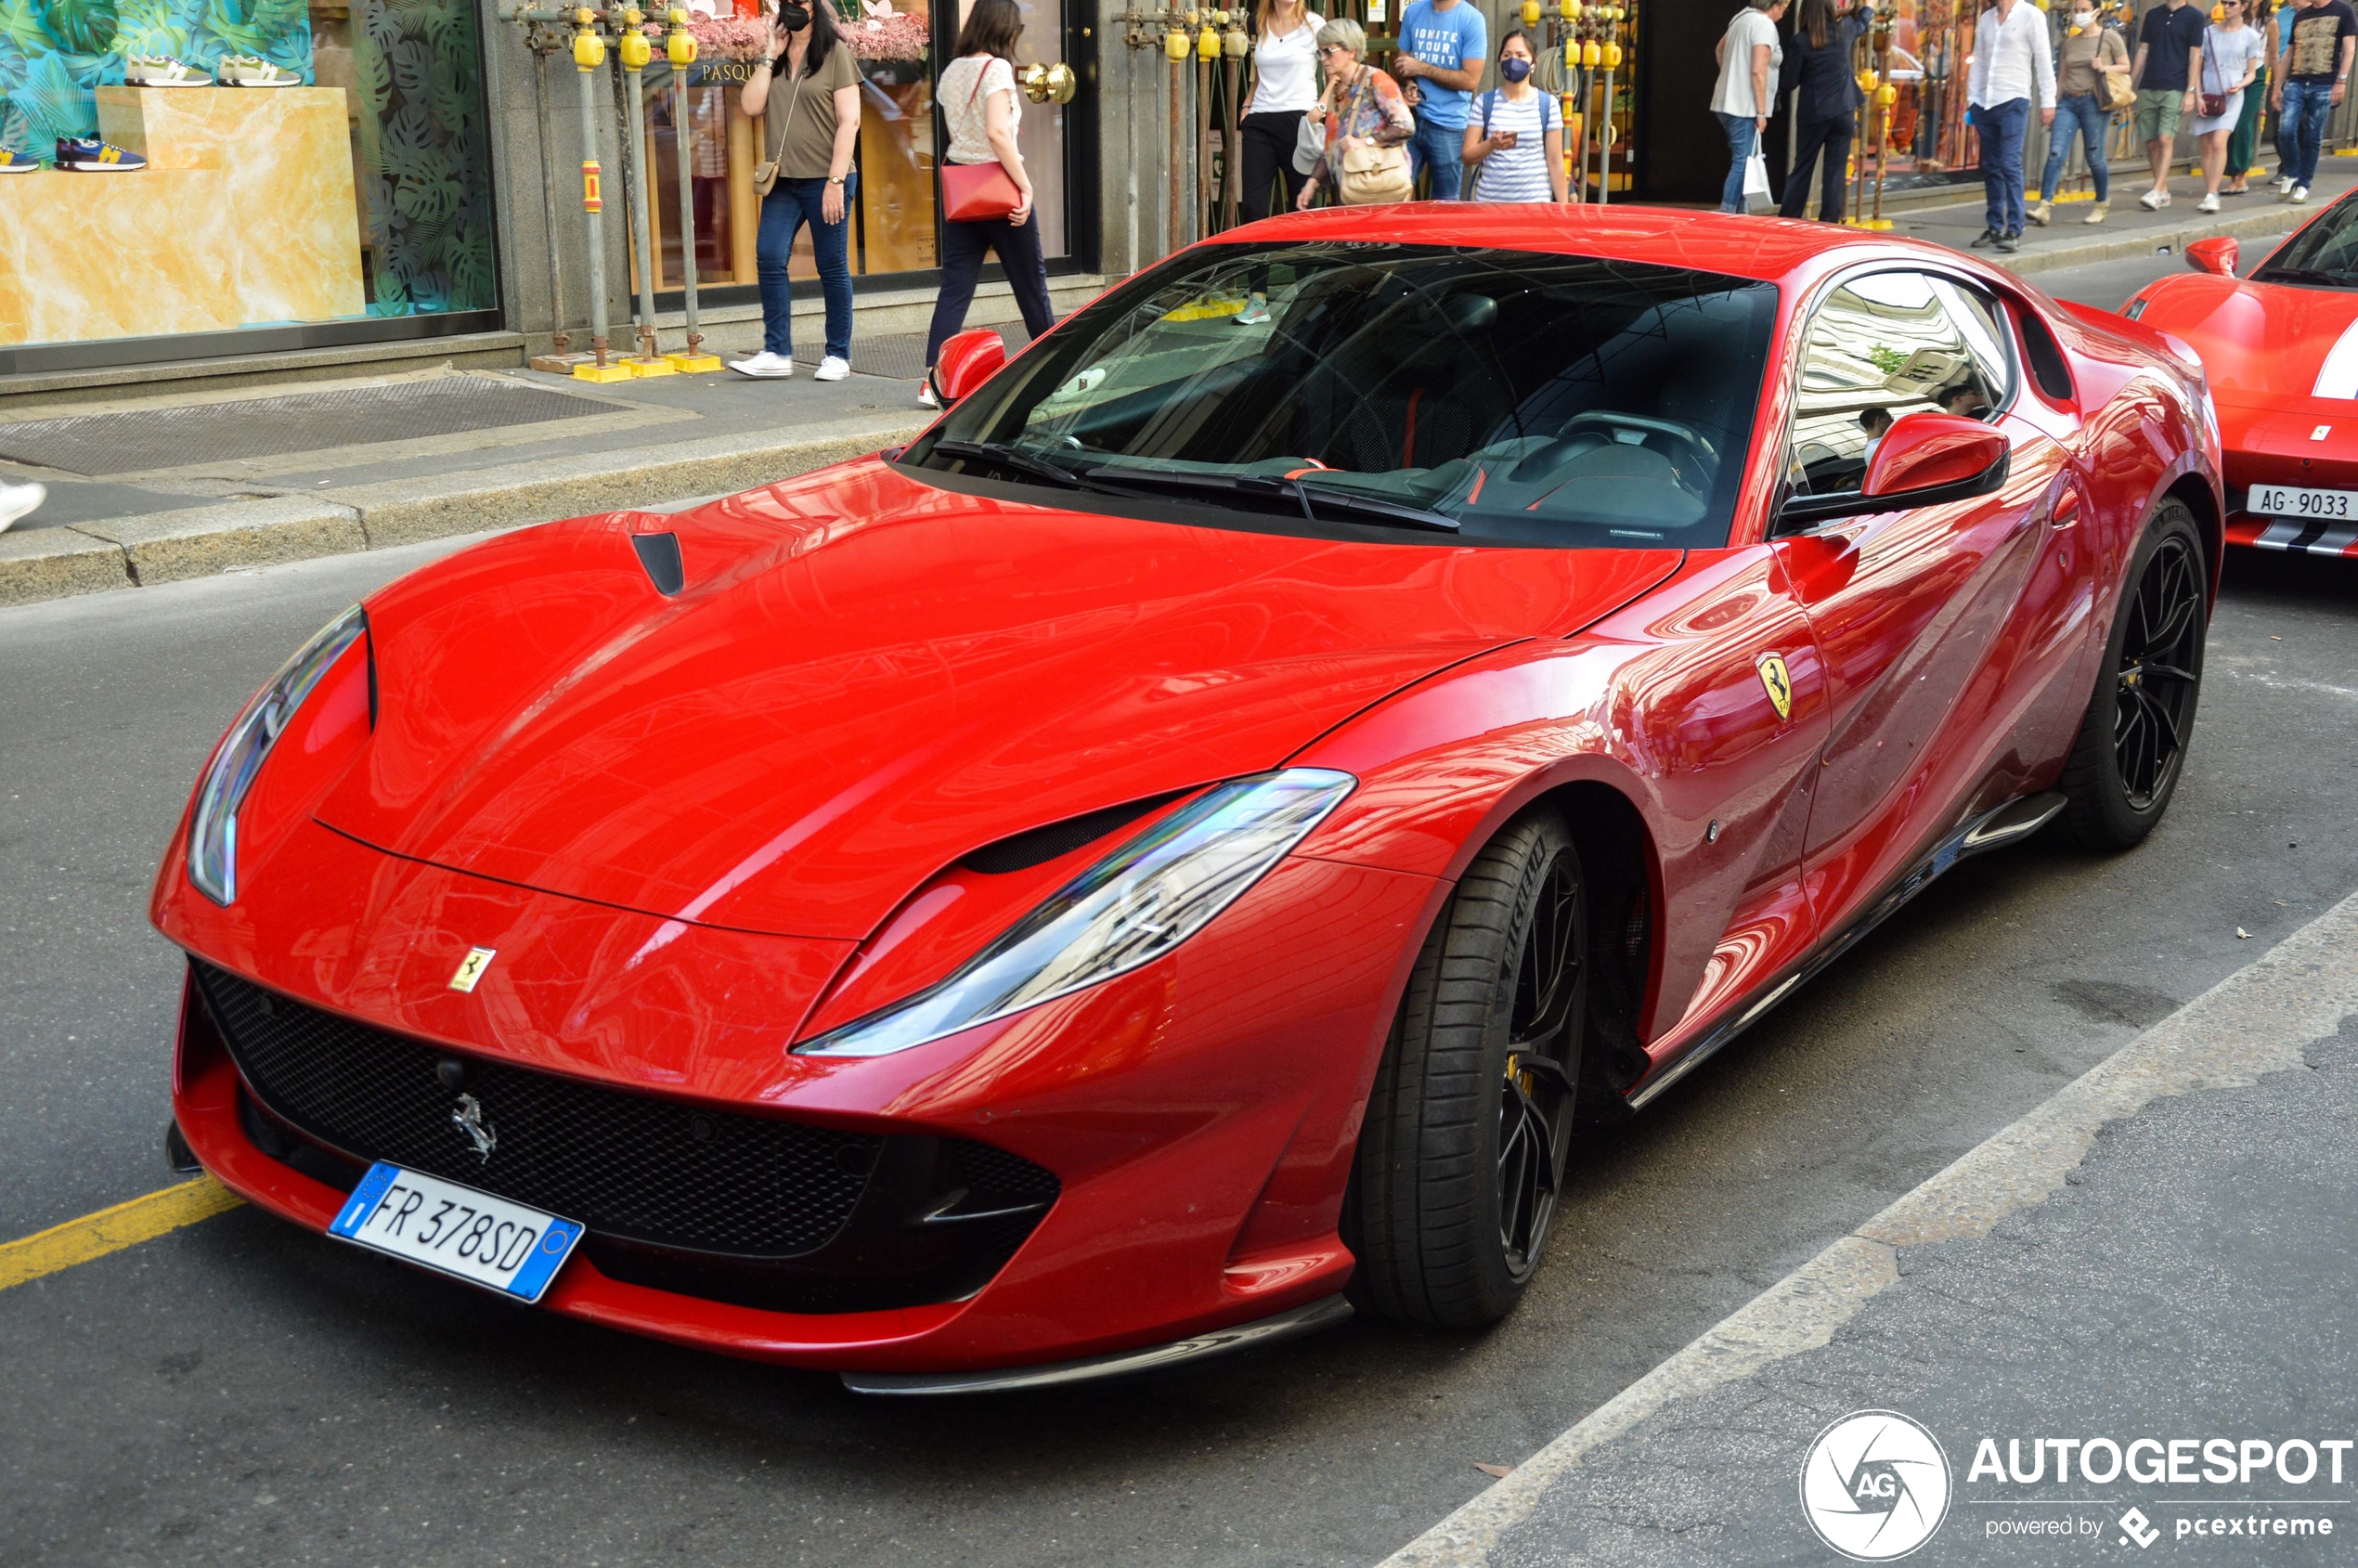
[(1443, 45)]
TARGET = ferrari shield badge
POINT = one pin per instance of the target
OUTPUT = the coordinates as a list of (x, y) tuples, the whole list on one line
[(1773, 677), (478, 959)]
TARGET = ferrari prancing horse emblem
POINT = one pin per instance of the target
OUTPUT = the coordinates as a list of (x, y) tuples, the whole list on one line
[(1772, 676), (478, 959)]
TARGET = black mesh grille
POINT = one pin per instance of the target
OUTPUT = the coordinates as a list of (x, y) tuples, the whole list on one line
[(628, 1164)]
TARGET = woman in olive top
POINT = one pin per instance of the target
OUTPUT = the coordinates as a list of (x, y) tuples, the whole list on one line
[(2092, 54), (807, 96)]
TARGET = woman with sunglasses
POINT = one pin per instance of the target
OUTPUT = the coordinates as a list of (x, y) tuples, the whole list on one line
[(1363, 108)]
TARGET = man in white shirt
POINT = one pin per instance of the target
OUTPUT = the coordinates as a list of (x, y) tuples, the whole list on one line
[(2011, 62)]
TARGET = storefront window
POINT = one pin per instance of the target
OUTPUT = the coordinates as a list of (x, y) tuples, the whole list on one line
[(242, 164)]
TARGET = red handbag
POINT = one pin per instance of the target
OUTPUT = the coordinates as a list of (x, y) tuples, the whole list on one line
[(977, 193)]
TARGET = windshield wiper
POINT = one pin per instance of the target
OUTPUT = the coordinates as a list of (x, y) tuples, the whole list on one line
[(1008, 456), (1296, 488), (2303, 275)]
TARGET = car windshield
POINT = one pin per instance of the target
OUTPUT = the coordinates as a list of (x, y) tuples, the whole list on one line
[(1488, 396), (2324, 254)]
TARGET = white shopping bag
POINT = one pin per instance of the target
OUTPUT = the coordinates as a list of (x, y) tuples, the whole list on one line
[(1756, 180)]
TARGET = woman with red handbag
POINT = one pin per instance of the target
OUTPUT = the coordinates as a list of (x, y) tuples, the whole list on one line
[(986, 196)]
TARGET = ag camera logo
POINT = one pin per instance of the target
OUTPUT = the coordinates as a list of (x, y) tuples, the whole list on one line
[(1875, 1486)]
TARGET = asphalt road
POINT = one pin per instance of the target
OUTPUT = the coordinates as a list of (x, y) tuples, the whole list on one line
[(243, 1391)]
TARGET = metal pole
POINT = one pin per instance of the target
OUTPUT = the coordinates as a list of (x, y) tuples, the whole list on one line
[(541, 44), (637, 192), (1170, 234), (695, 358), (588, 52), (1604, 145)]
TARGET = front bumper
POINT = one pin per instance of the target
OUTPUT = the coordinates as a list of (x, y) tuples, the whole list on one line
[(1198, 1115), (2309, 444)]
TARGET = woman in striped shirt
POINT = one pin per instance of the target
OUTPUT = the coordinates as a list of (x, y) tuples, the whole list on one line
[(1514, 136)]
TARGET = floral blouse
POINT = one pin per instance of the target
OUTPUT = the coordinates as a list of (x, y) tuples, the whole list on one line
[(1371, 108)]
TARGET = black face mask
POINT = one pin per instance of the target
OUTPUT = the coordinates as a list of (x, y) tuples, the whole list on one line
[(794, 18)]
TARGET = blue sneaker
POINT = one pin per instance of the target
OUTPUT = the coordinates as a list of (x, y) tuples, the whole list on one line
[(18, 162), (88, 155)]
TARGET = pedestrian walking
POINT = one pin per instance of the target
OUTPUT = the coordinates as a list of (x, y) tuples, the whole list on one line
[(2279, 59), (2010, 68), (1749, 58), (2091, 57), (2243, 142), (1443, 45), (1515, 138), (2169, 56), (2316, 77), (1285, 85), (807, 96), (1828, 98), (2231, 57), (1367, 125), (983, 112)]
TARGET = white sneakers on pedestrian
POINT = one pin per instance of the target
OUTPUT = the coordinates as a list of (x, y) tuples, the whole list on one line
[(20, 501), (2281, 184), (2154, 200), (2209, 203), (764, 365), (831, 369), (926, 399), (2299, 193), (1254, 314)]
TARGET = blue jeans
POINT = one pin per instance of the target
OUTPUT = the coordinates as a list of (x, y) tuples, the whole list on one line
[(789, 205), (2302, 129), (1441, 148), (2000, 126), (2079, 111), (1741, 130)]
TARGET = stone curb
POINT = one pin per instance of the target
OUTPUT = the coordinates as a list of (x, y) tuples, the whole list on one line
[(2282, 219), (198, 542), (2259, 1019)]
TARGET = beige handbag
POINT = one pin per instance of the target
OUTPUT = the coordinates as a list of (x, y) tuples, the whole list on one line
[(1370, 174), (765, 174)]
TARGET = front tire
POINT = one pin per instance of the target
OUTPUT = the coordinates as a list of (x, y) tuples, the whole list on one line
[(1470, 1123), (2131, 746)]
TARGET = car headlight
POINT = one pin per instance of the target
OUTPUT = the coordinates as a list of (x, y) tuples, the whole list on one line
[(1126, 910), (213, 830)]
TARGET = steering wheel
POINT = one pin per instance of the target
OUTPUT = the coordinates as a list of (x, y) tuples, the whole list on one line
[(1677, 430)]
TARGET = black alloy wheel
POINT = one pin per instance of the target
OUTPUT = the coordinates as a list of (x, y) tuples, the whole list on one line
[(2133, 742), (1469, 1127)]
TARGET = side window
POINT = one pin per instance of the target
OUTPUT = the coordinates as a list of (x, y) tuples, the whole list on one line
[(1884, 345)]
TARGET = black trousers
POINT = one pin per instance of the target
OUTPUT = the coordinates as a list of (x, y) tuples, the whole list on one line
[(1018, 248), (1833, 135), (1268, 156)]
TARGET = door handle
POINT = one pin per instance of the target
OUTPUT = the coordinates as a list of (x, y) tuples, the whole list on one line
[(2066, 513)]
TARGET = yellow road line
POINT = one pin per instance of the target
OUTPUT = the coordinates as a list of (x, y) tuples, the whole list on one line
[(110, 1230)]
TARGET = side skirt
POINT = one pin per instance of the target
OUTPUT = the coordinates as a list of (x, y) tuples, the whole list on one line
[(2010, 824)]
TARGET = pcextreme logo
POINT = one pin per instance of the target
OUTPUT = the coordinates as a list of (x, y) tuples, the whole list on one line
[(1875, 1486)]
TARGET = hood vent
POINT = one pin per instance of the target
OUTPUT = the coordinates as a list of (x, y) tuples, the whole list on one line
[(659, 553), (1040, 845)]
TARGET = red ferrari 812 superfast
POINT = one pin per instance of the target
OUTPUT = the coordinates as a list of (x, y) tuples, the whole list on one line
[(1182, 850)]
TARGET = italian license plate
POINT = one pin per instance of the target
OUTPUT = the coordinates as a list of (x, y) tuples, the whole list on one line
[(456, 1230), (2283, 500)]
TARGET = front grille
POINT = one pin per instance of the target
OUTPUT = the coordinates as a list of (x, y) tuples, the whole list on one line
[(625, 1164)]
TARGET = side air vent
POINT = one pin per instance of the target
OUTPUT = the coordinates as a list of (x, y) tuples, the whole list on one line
[(659, 553), (1044, 843)]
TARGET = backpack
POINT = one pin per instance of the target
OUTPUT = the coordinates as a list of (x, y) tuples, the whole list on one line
[(1547, 123)]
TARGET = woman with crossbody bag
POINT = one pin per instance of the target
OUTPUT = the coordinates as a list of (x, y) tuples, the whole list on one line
[(2232, 54), (807, 96), (1367, 125), (986, 195), (1515, 144)]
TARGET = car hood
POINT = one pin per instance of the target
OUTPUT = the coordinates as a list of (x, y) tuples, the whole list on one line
[(865, 678), (2264, 343)]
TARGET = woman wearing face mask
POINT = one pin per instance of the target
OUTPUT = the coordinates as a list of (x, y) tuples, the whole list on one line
[(2090, 54), (1514, 136), (807, 96)]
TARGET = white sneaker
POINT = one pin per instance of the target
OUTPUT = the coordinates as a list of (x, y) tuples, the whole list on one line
[(765, 365), (926, 399), (2209, 203), (2299, 193), (1254, 314), (2154, 200), (20, 501), (831, 369), (2281, 184)]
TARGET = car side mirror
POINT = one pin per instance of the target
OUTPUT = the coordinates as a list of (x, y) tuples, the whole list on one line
[(967, 360), (2217, 255), (1932, 452), (1924, 460)]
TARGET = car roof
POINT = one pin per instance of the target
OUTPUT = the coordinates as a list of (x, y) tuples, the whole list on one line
[(1771, 250)]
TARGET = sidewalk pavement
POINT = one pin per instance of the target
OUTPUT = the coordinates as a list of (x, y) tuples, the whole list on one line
[(2159, 1252), (156, 489)]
